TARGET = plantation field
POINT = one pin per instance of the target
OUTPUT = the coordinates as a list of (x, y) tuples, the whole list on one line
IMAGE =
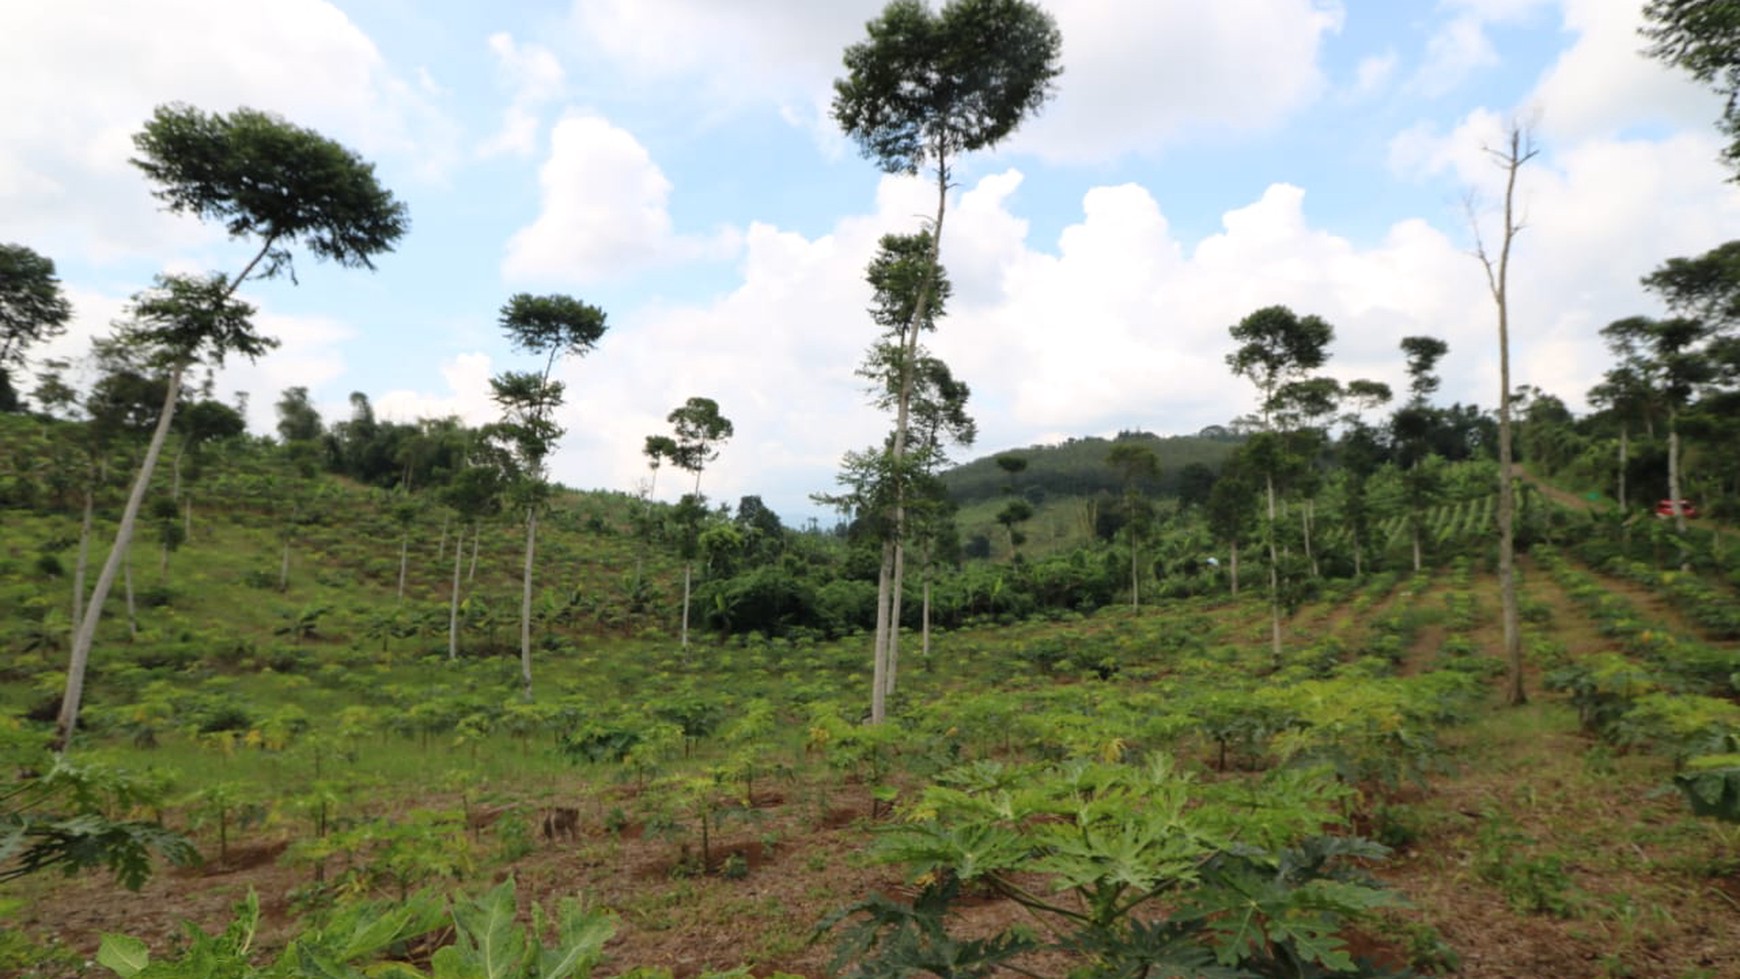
[(721, 803)]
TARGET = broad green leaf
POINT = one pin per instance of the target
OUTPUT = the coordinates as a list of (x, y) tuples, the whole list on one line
[(124, 955)]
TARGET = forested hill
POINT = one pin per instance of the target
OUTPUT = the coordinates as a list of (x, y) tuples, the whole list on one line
[(1078, 467)]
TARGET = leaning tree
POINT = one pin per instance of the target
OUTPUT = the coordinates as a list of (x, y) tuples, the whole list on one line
[(274, 185)]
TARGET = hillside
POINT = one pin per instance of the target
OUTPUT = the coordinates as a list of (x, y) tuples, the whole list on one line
[(1078, 467), (711, 805)]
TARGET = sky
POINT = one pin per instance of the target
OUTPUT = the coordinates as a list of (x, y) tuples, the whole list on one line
[(674, 162)]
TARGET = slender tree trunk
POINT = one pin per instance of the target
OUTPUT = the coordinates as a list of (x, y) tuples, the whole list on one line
[(1233, 565), (879, 664), (441, 551), (87, 630), (453, 597), (1274, 577), (175, 470), (127, 587), (78, 609), (1674, 489), (1305, 523), (924, 619), (1135, 573), (404, 562), (1497, 275), (887, 591), (526, 605), (688, 576), (899, 589), (1624, 461), (1418, 563)]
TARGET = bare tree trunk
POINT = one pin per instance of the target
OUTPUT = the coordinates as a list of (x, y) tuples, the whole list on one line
[(526, 605), (1305, 523), (1497, 277), (453, 598), (899, 589), (404, 562), (1233, 566), (78, 608), (879, 664), (1674, 488), (284, 567), (87, 629), (688, 575), (1274, 578), (127, 586), (924, 621), (1135, 573), (441, 551), (1624, 461)]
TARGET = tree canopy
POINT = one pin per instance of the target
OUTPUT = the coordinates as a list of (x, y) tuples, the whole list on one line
[(269, 180), (928, 84)]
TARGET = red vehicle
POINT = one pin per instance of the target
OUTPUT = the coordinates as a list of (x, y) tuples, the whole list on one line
[(1665, 508)]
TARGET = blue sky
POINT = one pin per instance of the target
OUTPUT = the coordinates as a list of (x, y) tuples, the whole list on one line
[(672, 161)]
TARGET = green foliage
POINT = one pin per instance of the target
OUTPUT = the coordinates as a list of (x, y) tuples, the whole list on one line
[(488, 943), (1160, 872), (60, 819), (265, 178), (1712, 786)]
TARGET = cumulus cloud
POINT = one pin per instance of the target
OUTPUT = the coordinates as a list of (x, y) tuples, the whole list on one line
[(467, 395), (603, 211), (1601, 86), (1122, 323), (64, 177), (535, 77), (1138, 74)]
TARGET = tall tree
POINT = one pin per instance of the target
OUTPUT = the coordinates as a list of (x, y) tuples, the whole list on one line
[(1361, 455), (1278, 352), (925, 87), (1669, 358), (700, 429), (273, 184), (1016, 510), (1411, 428), (32, 309), (551, 327), (1136, 464), (1516, 152)]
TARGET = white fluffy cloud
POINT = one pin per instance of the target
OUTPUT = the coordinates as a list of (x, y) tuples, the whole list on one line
[(535, 77), (603, 211), (1120, 323), (1138, 74), (83, 75), (1600, 86)]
